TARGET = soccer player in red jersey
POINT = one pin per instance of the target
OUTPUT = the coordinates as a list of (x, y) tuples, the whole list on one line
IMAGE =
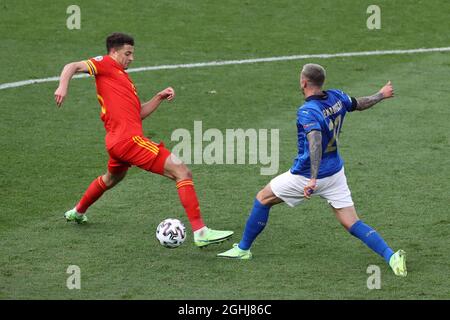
[(122, 114)]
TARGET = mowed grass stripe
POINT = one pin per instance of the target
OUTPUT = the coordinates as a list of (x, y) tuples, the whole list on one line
[(244, 61)]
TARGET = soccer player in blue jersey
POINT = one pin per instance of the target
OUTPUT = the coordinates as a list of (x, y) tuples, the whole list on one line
[(318, 168)]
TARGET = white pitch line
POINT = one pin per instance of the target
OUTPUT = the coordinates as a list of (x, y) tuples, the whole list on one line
[(245, 61)]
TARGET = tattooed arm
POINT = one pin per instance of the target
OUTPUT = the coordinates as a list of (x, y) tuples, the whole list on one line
[(315, 156), (315, 151), (364, 103)]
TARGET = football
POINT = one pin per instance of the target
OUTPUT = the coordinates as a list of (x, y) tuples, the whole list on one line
[(171, 233)]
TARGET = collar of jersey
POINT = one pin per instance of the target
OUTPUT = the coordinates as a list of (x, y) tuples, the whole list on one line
[(322, 96), (118, 65)]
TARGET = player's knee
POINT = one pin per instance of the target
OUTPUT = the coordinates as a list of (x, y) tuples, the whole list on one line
[(182, 172), (348, 224), (262, 197), (259, 196), (266, 197), (111, 180), (345, 225)]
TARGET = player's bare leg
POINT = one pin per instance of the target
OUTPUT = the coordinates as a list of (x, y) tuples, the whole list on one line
[(350, 221), (256, 222), (346, 216), (112, 179), (267, 197), (176, 170), (92, 194)]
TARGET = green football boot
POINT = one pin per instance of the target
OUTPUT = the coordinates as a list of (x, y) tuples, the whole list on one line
[(398, 263), (73, 215), (236, 253), (210, 236)]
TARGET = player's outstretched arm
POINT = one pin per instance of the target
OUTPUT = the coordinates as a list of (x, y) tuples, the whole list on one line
[(315, 156), (364, 103), (148, 107), (67, 74)]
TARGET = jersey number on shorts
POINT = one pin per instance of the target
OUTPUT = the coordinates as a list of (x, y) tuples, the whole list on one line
[(334, 126)]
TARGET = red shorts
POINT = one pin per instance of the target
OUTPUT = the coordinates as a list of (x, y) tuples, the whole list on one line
[(137, 151)]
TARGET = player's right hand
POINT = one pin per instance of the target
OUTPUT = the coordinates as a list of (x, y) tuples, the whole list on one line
[(168, 94), (387, 90), (308, 190), (60, 95)]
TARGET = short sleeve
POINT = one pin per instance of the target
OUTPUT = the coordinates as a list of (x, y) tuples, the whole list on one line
[(349, 102), (96, 66), (307, 120)]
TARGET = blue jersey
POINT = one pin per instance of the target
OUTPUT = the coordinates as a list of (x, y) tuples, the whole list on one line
[(324, 113)]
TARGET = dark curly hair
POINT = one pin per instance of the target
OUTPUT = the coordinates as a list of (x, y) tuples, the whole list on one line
[(118, 40)]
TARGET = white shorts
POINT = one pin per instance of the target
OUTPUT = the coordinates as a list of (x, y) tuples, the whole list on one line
[(289, 188)]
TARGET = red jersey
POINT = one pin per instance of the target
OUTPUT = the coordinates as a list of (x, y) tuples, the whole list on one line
[(120, 104)]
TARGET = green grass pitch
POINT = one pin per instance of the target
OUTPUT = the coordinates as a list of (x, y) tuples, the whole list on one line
[(397, 154)]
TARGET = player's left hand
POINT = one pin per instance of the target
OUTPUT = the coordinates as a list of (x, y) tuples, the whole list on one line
[(60, 95), (387, 91), (167, 94), (308, 190)]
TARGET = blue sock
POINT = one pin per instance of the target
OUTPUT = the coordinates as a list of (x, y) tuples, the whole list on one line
[(372, 239), (255, 224)]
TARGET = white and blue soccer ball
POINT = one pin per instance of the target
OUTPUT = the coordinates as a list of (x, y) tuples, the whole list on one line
[(171, 233)]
